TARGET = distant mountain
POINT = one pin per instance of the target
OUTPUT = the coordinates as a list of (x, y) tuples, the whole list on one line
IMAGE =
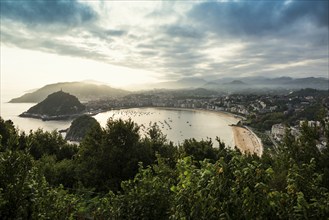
[(58, 105), (236, 82), (80, 127), (263, 83), (240, 84), (211, 86), (313, 81), (279, 80), (85, 91), (191, 82), (184, 83)]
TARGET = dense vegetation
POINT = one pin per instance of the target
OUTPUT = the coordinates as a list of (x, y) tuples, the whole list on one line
[(80, 127), (58, 103), (117, 174)]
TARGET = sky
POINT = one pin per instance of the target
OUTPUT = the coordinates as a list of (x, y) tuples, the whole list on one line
[(132, 42)]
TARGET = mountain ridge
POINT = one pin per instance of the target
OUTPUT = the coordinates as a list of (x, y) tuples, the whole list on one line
[(252, 82), (226, 84), (82, 90)]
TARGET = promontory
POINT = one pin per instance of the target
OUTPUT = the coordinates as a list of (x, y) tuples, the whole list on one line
[(80, 127), (57, 106)]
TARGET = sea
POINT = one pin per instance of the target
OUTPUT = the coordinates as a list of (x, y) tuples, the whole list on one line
[(176, 124)]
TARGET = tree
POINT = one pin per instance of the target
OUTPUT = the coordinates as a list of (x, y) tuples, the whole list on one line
[(44, 143), (24, 192), (199, 150), (108, 156), (157, 142), (147, 196), (8, 134), (203, 183)]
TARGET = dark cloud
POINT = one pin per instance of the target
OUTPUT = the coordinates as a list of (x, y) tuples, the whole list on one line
[(316, 11), (258, 18), (212, 39), (46, 12)]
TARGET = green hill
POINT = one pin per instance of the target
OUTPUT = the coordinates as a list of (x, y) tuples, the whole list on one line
[(59, 105), (80, 127), (83, 90)]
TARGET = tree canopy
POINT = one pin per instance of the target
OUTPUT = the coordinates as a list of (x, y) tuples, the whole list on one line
[(115, 173)]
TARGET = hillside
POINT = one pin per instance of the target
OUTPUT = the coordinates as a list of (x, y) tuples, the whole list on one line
[(80, 127), (236, 82), (59, 105), (84, 91), (263, 84), (258, 84)]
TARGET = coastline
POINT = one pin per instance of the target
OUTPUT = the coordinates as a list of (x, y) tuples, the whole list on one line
[(49, 118), (219, 112), (243, 137), (247, 141)]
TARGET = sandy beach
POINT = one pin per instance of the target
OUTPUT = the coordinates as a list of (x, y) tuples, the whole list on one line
[(247, 141)]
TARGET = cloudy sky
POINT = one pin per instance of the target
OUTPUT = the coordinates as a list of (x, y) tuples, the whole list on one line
[(127, 42)]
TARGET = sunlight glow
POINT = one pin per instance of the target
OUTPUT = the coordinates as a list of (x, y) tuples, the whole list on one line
[(27, 69)]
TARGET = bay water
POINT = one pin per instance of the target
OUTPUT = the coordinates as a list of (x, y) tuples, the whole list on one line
[(176, 124)]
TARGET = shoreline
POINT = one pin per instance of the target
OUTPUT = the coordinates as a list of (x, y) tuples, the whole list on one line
[(49, 118), (220, 112), (247, 141), (250, 143), (243, 137)]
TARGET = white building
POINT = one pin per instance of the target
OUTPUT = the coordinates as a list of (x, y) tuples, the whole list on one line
[(278, 131)]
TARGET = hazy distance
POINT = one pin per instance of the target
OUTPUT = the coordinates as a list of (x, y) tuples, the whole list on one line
[(136, 43)]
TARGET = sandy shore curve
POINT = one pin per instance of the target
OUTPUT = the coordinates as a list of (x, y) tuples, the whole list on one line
[(247, 141), (243, 137)]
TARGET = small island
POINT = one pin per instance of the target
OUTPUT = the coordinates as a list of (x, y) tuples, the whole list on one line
[(80, 127), (57, 106)]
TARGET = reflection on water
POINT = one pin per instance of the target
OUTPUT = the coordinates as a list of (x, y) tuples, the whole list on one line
[(176, 124)]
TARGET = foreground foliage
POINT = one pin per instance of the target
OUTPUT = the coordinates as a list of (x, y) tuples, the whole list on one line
[(117, 174)]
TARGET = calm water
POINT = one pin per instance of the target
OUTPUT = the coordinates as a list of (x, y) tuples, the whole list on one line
[(176, 124), (12, 110)]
